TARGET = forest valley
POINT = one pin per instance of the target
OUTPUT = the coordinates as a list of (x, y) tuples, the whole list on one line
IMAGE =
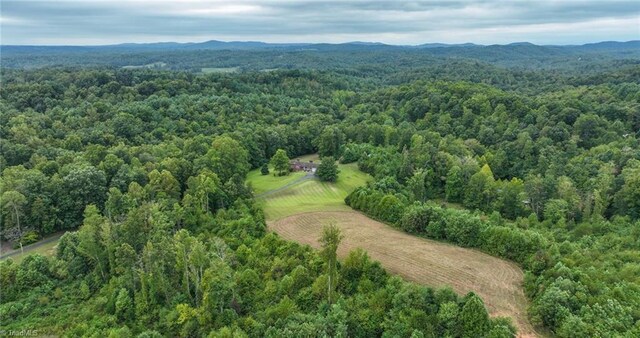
[(146, 171)]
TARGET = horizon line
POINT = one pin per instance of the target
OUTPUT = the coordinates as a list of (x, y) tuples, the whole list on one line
[(312, 43)]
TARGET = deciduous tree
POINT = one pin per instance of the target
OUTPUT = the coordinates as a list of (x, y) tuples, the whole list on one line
[(331, 237), (228, 157), (474, 317), (328, 169), (13, 203), (280, 162)]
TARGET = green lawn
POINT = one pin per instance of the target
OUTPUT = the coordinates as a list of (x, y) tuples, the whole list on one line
[(154, 65), (307, 158), (226, 70), (452, 205), (263, 183), (47, 249), (310, 195)]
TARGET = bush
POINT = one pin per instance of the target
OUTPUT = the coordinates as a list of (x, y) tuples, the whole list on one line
[(352, 153), (30, 237), (328, 170), (390, 209), (264, 170), (414, 219)]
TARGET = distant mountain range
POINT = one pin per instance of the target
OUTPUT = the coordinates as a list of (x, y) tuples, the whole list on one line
[(259, 55), (253, 45)]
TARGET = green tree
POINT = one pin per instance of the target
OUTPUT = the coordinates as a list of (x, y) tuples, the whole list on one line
[(198, 261), (264, 169), (628, 197), (389, 208), (331, 237), (454, 187), (205, 189), (280, 162), (116, 205), (511, 198), (183, 249), (474, 317), (556, 210), (567, 191), (13, 203), (336, 322), (218, 289), (83, 185), (405, 170), (500, 331), (125, 258), (448, 319), (603, 185), (537, 193), (84, 292), (330, 142), (110, 165), (480, 191), (228, 157), (417, 185), (127, 125), (162, 185), (124, 305), (591, 129), (328, 170), (90, 241)]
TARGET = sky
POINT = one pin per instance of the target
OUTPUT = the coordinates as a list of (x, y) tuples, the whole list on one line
[(97, 22)]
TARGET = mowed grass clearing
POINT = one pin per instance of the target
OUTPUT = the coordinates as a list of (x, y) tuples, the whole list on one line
[(424, 261), (309, 157), (307, 195), (155, 65), (263, 183), (221, 70), (46, 247), (298, 208)]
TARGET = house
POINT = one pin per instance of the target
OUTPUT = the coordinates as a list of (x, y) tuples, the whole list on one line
[(297, 165)]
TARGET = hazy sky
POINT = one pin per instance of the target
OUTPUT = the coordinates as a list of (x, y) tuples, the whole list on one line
[(395, 22)]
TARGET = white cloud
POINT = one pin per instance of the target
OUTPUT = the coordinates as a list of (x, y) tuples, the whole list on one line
[(395, 22)]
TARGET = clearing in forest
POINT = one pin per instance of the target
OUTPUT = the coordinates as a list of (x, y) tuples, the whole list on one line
[(298, 206), (220, 70), (45, 247), (298, 192), (427, 262)]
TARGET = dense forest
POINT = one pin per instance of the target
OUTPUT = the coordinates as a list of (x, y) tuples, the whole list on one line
[(353, 55), (145, 169)]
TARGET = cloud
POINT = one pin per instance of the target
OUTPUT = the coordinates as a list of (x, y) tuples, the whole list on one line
[(395, 22)]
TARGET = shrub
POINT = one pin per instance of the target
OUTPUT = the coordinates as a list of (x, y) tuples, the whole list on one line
[(30, 237), (328, 170)]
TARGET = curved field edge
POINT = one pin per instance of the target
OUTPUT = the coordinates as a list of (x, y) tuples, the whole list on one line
[(424, 261)]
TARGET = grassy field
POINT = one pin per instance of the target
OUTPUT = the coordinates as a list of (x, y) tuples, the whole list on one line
[(155, 65), (220, 70), (263, 183), (432, 263), (451, 205), (307, 195), (307, 158), (46, 247)]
